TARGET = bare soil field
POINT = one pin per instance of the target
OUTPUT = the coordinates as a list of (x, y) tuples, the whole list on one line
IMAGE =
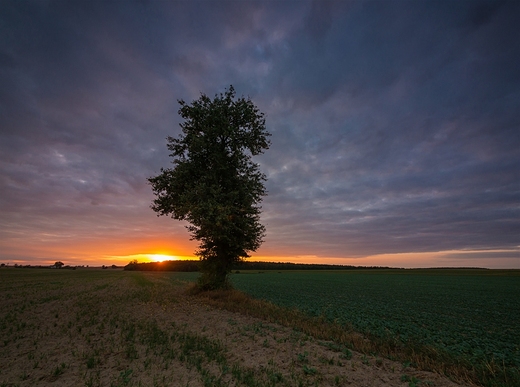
[(116, 328)]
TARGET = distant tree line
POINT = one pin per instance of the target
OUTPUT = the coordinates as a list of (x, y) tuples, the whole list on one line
[(186, 266), (194, 265), (244, 265), (57, 265)]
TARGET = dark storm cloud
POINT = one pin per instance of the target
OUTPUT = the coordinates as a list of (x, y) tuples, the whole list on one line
[(395, 124)]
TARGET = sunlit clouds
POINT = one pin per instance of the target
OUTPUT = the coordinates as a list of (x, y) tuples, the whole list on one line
[(395, 126)]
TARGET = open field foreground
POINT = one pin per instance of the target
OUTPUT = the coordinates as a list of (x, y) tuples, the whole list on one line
[(115, 328), (466, 321)]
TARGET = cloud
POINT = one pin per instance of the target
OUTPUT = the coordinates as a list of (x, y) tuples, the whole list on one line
[(395, 126)]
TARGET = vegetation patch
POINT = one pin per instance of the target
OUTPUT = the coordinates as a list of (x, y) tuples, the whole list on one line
[(458, 322), (89, 327)]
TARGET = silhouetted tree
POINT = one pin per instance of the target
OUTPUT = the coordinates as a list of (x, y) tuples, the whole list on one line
[(214, 184), (58, 265)]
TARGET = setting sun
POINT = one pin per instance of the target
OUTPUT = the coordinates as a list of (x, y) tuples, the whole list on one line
[(161, 257)]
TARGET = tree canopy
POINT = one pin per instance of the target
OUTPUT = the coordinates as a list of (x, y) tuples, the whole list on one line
[(214, 183)]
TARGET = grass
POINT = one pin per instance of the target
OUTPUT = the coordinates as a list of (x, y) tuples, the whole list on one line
[(115, 328), (75, 321), (458, 322)]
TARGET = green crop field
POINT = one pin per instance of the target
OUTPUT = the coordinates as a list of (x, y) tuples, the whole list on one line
[(471, 317), (123, 328)]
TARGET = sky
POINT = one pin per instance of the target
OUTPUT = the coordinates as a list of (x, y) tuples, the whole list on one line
[(395, 126)]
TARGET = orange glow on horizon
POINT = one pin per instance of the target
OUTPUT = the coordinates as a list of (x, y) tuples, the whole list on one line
[(120, 251), (146, 257), (162, 257), (449, 258)]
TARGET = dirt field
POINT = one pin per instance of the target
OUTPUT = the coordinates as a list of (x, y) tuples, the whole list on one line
[(115, 328)]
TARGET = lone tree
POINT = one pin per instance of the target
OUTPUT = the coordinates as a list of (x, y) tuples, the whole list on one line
[(214, 184)]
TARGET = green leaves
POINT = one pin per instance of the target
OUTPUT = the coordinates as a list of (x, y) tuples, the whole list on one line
[(214, 183)]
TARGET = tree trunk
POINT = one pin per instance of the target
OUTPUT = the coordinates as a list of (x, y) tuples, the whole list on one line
[(214, 273)]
